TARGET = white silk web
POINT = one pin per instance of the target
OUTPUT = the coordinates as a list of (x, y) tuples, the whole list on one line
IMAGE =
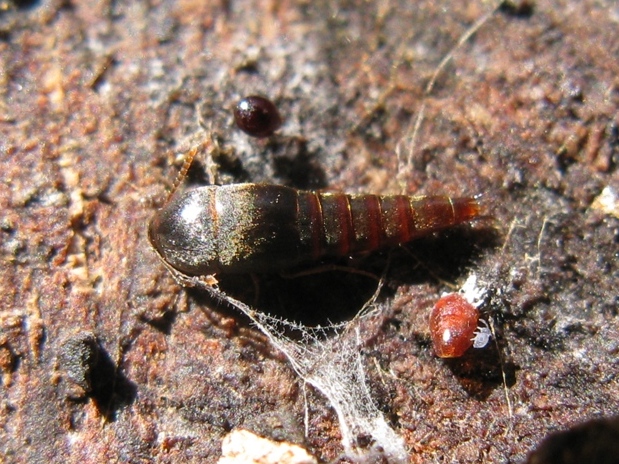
[(329, 358)]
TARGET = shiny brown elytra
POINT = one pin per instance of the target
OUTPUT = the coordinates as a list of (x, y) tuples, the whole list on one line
[(261, 228)]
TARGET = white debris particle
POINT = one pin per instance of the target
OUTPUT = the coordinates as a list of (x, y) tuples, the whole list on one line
[(244, 447), (473, 293), (607, 202)]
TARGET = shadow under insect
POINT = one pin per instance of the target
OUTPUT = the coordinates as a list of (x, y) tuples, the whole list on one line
[(480, 372), (320, 297), (335, 290)]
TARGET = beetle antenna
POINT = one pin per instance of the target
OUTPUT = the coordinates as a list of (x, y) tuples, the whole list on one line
[(187, 162)]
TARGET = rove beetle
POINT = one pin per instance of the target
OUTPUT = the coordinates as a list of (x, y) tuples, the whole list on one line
[(266, 228)]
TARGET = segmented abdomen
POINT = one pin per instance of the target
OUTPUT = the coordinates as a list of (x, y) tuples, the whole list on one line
[(337, 224), (244, 228)]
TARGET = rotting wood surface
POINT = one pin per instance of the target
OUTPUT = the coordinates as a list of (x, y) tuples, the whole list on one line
[(105, 358)]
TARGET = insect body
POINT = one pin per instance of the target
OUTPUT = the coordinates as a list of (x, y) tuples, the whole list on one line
[(257, 116), (258, 228), (453, 326), (482, 335)]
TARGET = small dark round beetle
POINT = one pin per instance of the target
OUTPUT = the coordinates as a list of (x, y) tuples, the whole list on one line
[(257, 116), (259, 228)]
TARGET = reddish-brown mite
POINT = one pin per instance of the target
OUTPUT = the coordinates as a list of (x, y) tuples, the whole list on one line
[(454, 326), (260, 228), (257, 116)]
